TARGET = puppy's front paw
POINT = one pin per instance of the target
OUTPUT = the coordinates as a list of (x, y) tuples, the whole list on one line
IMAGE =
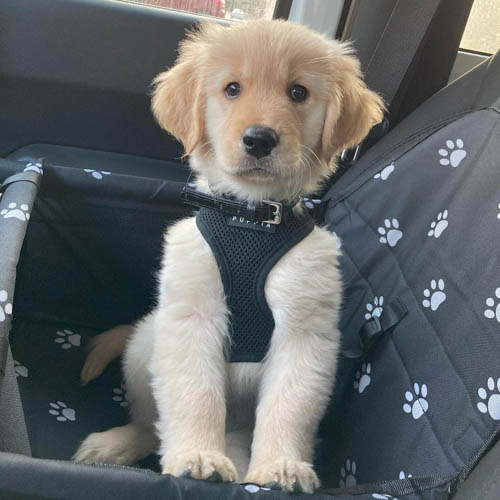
[(289, 475), (201, 464)]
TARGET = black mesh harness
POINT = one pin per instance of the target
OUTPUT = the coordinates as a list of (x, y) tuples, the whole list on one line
[(245, 252)]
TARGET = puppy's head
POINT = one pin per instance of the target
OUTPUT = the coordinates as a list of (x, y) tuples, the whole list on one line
[(263, 107)]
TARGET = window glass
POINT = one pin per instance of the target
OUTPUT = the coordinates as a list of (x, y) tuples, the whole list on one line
[(229, 9), (482, 33)]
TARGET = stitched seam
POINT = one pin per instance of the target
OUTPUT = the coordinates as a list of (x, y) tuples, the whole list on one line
[(359, 180)]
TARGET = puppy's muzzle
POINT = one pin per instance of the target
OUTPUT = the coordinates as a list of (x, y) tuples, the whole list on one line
[(259, 141)]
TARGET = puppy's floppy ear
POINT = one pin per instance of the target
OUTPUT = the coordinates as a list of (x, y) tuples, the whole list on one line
[(178, 102), (352, 110)]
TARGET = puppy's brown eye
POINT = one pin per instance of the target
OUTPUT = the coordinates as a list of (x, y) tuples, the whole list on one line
[(298, 93), (233, 90)]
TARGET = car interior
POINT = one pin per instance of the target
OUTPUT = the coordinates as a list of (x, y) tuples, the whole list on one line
[(95, 182)]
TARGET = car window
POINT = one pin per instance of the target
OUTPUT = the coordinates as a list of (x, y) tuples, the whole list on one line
[(482, 33), (235, 10)]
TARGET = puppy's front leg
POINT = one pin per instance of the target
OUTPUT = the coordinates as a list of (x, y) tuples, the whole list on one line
[(294, 393), (188, 366), (303, 292), (189, 388)]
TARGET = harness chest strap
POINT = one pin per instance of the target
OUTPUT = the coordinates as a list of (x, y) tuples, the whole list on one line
[(245, 252)]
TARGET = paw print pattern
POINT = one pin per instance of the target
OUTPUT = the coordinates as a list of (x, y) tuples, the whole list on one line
[(5, 307), (439, 225), (363, 378), (310, 202), (374, 309), (20, 213), (120, 396), (61, 411), (34, 167), (348, 474), (456, 156), (385, 173), (383, 496), (417, 405), (390, 234), (96, 174), (21, 371), (67, 339), (253, 488), (339, 242), (403, 475), (490, 404), (435, 296), (493, 311)]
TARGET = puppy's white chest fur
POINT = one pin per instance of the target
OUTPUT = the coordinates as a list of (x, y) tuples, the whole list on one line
[(303, 291)]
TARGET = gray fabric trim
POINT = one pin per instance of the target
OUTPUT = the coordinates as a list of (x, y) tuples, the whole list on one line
[(13, 433), (16, 203)]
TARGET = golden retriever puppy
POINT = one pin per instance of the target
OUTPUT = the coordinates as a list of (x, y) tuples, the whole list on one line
[(262, 109)]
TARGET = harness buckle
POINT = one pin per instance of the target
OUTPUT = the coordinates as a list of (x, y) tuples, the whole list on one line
[(351, 156), (277, 212)]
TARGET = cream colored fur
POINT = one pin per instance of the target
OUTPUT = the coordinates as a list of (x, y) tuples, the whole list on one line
[(199, 412)]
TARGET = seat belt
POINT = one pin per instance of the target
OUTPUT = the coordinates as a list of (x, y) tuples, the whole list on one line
[(398, 46), (13, 433), (395, 51)]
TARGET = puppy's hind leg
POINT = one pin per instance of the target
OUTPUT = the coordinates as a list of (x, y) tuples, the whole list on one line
[(127, 444), (123, 445)]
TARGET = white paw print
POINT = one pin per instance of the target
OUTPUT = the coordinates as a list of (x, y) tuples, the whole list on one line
[(456, 156), (439, 225), (348, 474), (390, 234), (363, 377), (20, 213), (493, 312), (374, 309), (34, 167), (67, 339), (403, 475), (120, 396), (5, 307), (383, 496), (385, 173), (416, 405), (21, 371), (61, 411), (498, 214), (339, 242), (492, 405), (435, 296), (96, 174), (253, 488), (310, 202)]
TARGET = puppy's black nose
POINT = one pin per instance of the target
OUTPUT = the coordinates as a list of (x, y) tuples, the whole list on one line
[(259, 141)]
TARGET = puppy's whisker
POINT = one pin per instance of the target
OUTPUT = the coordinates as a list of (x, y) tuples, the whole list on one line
[(312, 152)]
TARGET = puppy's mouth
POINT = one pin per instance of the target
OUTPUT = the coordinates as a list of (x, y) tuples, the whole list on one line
[(251, 168)]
